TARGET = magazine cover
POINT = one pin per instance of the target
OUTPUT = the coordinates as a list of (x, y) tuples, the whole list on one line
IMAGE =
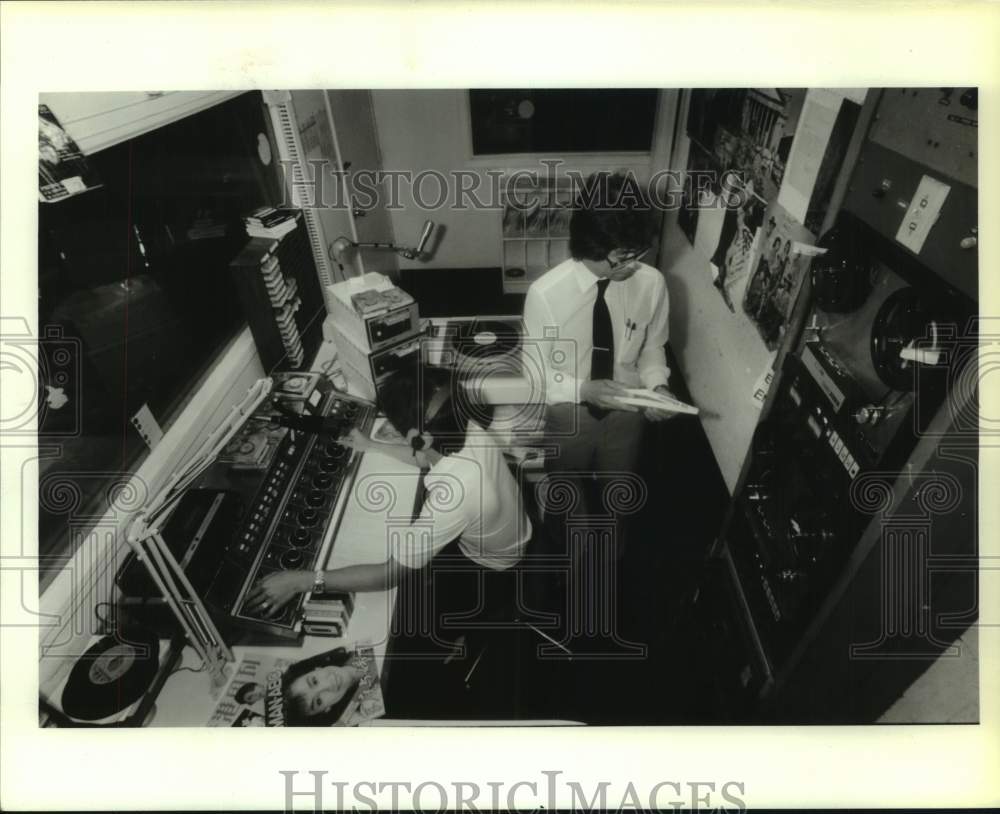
[(337, 688)]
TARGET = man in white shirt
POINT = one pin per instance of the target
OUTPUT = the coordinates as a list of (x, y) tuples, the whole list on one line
[(597, 323)]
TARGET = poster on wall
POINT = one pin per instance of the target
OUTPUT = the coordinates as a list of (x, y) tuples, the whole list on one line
[(750, 148), (749, 130), (744, 137), (825, 128), (786, 251), (736, 248)]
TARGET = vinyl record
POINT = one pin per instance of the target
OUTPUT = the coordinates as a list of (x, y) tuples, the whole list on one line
[(111, 675), (487, 339)]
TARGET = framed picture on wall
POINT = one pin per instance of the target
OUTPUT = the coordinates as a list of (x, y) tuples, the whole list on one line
[(578, 120)]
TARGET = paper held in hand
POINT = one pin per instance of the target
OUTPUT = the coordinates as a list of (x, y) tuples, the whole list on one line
[(638, 397)]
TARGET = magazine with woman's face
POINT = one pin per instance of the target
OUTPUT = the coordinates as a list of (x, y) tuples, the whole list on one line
[(337, 688)]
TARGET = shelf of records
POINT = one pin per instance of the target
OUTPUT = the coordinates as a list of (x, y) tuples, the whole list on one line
[(535, 230)]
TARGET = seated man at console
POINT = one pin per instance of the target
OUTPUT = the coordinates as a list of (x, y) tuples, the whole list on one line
[(471, 523)]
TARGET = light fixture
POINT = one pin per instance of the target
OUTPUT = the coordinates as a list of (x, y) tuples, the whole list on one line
[(340, 247)]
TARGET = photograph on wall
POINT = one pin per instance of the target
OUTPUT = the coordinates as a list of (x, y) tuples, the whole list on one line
[(785, 252)]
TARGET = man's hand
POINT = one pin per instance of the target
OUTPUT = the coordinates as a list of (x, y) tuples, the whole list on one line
[(356, 440), (273, 592), (652, 414), (603, 392)]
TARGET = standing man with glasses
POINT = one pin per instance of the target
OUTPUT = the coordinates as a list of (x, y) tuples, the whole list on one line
[(597, 324)]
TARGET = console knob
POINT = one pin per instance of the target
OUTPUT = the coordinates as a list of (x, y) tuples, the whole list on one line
[(329, 465), (292, 559), (322, 481), (869, 414), (315, 498), (300, 537), (308, 517)]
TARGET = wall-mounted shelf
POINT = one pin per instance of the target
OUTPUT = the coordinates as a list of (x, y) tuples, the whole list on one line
[(535, 231)]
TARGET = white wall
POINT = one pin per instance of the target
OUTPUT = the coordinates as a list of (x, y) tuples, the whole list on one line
[(429, 130), (720, 354)]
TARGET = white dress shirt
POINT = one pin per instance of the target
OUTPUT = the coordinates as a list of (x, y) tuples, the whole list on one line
[(559, 319), (471, 495)]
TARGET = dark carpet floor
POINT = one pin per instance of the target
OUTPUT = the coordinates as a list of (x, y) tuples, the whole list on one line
[(663, 675)]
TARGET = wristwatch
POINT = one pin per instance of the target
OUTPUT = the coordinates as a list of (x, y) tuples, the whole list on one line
[(319, 582)]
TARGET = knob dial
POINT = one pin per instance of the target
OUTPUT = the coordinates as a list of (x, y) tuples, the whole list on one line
[(300, 537), (336, 451), (322, 481), (292, 559), (315, 498), (308, 517), (330, 465)]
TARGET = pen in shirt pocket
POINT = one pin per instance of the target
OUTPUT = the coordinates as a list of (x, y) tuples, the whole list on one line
[(630, 326)]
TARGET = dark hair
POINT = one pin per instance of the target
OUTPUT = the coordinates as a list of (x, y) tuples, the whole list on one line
[(295, 714), (610, 212), (405, 397), (245, 690)]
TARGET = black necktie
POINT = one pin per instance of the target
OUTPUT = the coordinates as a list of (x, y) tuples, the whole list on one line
[(602, 357), (420, 497)]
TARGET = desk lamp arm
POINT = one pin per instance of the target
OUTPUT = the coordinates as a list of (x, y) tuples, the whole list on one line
[(145, 538)]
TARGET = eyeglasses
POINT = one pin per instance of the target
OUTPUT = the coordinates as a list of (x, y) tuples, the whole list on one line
[(624, 258)]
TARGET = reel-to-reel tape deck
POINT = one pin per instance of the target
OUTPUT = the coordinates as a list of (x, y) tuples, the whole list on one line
[(879, 347)]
